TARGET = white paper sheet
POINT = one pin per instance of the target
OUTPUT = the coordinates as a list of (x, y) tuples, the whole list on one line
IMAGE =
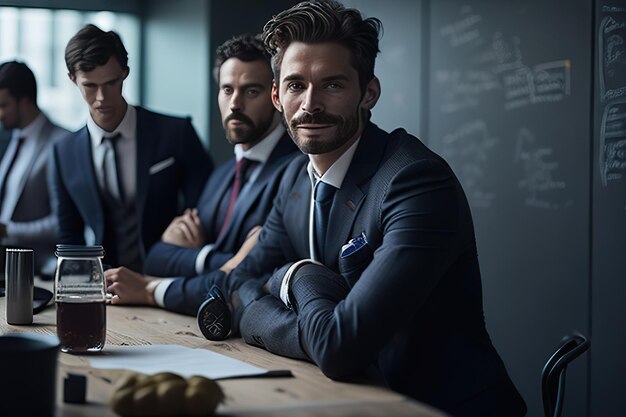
[(151, 359)]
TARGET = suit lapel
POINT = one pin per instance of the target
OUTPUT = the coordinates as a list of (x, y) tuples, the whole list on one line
[(243, 206), (246, 204), (349, 199), (146, 142), (8, 155), (84, 183), (42, 138), (4, 166), (215, 203), (296, 213), (342, 214), (40, 143)]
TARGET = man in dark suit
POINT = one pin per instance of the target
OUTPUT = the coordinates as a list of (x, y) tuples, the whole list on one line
[(26, 217), (120, 177), (203, 240), (367, 264)]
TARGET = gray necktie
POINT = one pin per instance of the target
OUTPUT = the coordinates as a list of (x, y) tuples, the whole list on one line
[(111, 168)]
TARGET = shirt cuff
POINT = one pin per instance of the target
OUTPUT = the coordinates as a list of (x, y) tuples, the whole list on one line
[(160, 288), (201, 258), (285, 287)]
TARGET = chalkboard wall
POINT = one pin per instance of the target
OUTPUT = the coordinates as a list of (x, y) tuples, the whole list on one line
[(509, 107), (608, 363)]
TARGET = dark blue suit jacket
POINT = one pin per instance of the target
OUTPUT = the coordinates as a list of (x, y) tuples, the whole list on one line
[(252, 209), (162, 141), (406, 308)]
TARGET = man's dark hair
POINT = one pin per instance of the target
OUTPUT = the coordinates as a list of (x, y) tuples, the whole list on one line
[(19, 80), (92, 47), (325, 21), (245, 47)]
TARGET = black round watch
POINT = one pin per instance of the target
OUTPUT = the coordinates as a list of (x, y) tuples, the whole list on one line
[(214, 316)]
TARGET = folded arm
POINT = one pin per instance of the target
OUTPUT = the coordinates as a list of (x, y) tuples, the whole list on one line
[(344, 330)]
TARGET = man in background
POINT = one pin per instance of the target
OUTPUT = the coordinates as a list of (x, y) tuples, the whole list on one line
[(26, 217), (203, 240), (122, 176)]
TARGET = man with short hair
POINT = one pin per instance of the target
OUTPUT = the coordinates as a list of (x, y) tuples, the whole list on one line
[(26, 218), (122, 175), (202, 240), (367, 264)]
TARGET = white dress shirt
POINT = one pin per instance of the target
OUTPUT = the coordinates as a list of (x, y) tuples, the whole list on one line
[(126, 151)]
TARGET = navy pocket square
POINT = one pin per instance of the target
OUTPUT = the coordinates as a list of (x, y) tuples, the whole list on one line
[(354, 245), (355, 256)]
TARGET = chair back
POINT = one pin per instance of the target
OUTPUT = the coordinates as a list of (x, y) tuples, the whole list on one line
[(553, 374)]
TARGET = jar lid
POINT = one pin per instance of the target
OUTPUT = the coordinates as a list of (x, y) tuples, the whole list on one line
[(79, 251)]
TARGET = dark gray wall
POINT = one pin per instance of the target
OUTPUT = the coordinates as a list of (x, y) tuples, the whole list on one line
[(509, 108), (527, 101), (227, 19), (176, 60), (398, 65), (608, 365)]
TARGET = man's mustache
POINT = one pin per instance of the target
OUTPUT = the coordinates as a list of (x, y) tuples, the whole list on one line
[(239, 116), (315, 118)]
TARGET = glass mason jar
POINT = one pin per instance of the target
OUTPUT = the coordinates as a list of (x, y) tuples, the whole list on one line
[(80, 296)]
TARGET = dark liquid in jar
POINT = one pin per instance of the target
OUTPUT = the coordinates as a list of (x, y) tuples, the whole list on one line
[(81, 327)]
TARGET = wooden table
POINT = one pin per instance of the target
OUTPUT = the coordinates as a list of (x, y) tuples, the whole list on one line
[(308, 393)]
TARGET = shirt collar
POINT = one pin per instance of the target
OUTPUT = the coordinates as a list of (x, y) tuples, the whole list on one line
[(32, 128), (337, 172), (262, 150), (127, 127)]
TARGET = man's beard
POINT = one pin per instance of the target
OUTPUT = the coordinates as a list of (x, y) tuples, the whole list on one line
[(245, 134), (345, 130)]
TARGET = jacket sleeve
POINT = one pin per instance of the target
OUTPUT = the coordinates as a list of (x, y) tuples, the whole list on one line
[(43, 228), (167, 260)]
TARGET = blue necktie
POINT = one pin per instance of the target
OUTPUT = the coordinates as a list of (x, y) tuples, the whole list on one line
[(323, 197)]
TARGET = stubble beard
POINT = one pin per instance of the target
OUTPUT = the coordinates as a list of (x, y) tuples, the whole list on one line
[(345, 129)]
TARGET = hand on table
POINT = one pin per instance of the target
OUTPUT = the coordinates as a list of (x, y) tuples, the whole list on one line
[(130, 287)]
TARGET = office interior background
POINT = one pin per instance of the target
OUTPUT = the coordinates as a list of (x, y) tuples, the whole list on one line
[(525, 99)]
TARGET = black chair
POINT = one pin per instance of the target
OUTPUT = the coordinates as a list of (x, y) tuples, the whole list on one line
[(553, 374)]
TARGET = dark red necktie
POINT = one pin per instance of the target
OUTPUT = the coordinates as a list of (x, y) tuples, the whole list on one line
[(240, 179)]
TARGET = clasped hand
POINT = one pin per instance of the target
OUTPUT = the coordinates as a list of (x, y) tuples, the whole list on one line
[(185, 230)]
